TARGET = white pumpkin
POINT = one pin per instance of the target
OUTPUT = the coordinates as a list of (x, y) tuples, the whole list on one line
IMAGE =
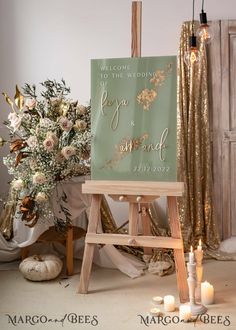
[(41, 267)]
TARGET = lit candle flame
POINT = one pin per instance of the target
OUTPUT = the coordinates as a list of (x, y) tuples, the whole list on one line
[(200, 242)]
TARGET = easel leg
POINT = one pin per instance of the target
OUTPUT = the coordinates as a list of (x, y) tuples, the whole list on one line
[(146, 226), (133, 219), (178, 253), (86, 268), (94, 217), (181, 275), (69, 252)]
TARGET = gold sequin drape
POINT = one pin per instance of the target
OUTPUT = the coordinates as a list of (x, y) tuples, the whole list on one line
[(194, 149)]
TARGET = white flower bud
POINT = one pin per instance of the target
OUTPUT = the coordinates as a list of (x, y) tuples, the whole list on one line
[(38, 178), (41, 197), (17, 184)]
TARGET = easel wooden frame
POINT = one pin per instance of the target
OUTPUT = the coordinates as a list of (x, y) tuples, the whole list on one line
[(138, 194)]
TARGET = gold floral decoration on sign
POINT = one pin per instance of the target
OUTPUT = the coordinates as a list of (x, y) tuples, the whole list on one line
[(147, 96), (124, 148)]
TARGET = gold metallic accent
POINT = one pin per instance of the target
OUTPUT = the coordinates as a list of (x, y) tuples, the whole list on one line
[(194, 149), (9, 101), (147, 96), (19, 99), (120, 153), (7, 215)]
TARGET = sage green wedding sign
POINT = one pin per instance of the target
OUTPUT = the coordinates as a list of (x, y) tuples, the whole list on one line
[(134, 119)]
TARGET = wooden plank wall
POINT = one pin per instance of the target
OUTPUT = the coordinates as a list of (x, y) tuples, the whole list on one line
[(222, 93)]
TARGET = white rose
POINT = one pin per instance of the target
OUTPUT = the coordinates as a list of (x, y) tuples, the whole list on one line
[(15, 121), (17, 184), (30, 103), (50, 142), (39, 178), (41, 197), (68, 151), (65, 124), (80, 125), (32, 142), (81, 109)]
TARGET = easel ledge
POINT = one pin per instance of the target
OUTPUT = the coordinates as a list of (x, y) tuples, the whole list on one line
[(142, 188)]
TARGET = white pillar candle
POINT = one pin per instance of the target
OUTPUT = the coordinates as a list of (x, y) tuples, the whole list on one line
[(191, 256), (169, 303), (185, 312), (207, 293)]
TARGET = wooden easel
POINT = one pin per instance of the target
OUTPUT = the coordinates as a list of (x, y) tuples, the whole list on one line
[(137, 194)]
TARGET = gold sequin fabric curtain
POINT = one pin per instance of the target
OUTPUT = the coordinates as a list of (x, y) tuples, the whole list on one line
[(194, 148)]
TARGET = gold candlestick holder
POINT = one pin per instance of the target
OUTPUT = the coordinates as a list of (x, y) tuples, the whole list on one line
[(199, 272), (196, 309)]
